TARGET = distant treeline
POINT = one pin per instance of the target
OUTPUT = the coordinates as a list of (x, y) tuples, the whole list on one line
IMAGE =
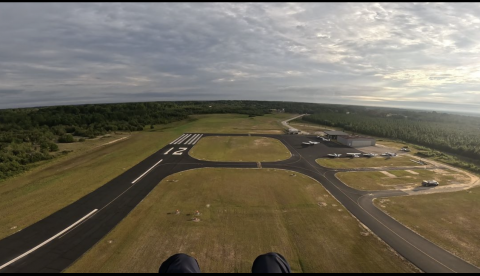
[(29, 135)]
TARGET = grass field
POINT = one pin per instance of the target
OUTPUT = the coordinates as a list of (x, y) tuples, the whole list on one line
[(34, 195), (349, 163), (237, 123), (397, 145), (244, 213), (244, 149), (398, 179), (93, 143), (448, 219), (308, 127)]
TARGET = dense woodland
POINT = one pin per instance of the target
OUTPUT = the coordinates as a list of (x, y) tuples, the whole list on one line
[(30, 135)]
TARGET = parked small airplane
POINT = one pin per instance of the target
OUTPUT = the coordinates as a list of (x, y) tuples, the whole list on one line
[(370, 154), (389, 154), (405, 150), (355, 155), (323, 138), (334, 155), (310, 143)]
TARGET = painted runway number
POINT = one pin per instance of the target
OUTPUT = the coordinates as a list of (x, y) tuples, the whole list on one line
[(168, 151), (180, 151)]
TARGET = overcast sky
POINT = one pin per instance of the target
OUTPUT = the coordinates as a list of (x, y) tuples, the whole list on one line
[(387, 54)]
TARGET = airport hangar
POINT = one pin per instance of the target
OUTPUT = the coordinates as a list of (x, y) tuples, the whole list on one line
[(350, 140)]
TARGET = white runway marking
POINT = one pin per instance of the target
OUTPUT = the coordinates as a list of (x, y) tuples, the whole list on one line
[(196, 139), (179, 151), (191, 139), (181, 136), (188, 140), (49, 240), (168, 151), (183, 139), (194, 142), (198, 135), (134, 181)]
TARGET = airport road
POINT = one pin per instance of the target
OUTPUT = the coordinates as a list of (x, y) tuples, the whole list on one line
[(54, 243)]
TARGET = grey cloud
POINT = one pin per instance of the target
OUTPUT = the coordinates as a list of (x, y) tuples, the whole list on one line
[(102, 52), (7, 92)]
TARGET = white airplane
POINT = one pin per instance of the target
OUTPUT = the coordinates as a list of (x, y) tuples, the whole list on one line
[(355, 155), (314, 143), (334, 155), (389, 154), (306, 143), (323, 138), (405, 149), (369, 154)]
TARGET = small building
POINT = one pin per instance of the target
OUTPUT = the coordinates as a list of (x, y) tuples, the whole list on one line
[(293, 131), (335, 134), (356, 141)]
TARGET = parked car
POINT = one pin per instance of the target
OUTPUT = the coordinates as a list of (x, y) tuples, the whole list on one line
[(428, 183)]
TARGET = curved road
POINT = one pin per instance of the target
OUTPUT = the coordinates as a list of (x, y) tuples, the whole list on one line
[(54, 243)]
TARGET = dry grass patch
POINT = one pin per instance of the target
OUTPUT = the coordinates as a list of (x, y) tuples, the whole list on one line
[(237, 148), (244, 213), (399, 179), (238, 123), (448, 219), (363, 162)]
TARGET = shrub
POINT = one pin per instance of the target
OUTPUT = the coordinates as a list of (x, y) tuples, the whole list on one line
[(66, 138)]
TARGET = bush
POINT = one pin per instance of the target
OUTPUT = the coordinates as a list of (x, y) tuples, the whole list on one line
[(66, 138), (53, 147)]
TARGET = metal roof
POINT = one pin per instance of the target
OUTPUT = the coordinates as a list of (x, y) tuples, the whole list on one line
[(337, 133), (358, 138)]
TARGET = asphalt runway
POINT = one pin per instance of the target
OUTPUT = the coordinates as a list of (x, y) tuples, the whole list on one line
[(54, 243)]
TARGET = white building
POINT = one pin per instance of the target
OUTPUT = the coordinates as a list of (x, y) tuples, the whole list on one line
[(356, 141)]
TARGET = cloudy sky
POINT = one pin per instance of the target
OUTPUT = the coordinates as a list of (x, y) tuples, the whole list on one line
[(387, 54)]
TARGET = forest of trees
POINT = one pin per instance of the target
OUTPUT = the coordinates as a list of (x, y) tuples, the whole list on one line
[(29, 135)]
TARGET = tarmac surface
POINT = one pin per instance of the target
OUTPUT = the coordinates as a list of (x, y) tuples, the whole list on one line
[(56, 242)]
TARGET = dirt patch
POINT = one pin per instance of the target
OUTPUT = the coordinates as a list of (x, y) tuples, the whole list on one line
[(389, 174), (412, 172), (261, 142)]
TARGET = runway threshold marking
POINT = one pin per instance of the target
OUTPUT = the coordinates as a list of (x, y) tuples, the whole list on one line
[(191, 139), (49, 240), (183, 139), (197, 139), (135, 181), (181, 136)]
